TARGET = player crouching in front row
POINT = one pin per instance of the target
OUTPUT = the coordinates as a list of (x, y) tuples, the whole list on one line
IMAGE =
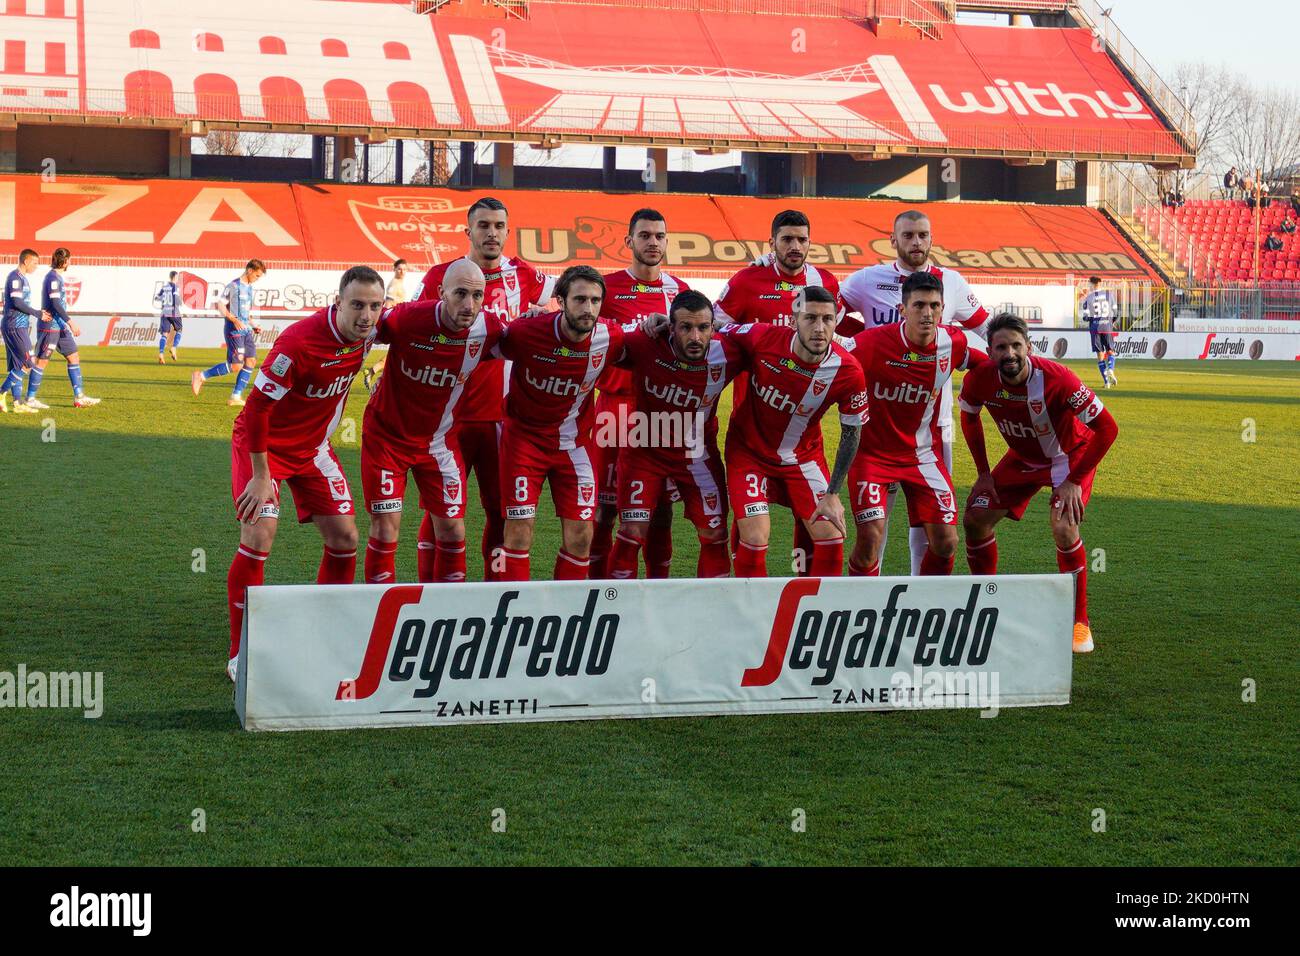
[(1057, 432), (283, 434)]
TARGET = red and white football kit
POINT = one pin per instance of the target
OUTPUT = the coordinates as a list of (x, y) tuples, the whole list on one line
[(1056, 430), (670, 389), (410, 423), (774, 440), (510, 290), (628, 299), (763, 293), (296, 403), (903, 440), (547, 436)]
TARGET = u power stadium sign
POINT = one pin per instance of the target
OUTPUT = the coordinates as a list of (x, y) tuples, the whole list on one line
[(399, 655)]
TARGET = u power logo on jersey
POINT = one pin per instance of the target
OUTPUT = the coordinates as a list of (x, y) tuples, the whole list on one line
[(486, 648), (822, 640)]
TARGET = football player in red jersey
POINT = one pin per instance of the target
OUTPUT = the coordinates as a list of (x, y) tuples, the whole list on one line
[(410, 423), (1057, 433), (765, 291), (907, 367), (774, 441), (677, 379), (558, 359), (512, 287), (283, 434), (632, 294)]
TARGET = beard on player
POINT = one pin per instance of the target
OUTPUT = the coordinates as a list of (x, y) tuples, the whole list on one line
[(488, 229), (691, 333), (359, 304), (815, 327), (581, 291), (912, 240), (648, 250)]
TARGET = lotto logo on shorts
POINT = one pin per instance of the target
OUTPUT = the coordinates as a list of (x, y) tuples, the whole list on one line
[(453, 511), (755, 508), (345, 507), (634, 515), (871, 514), (950, 517), (524, 511), (386, 506)]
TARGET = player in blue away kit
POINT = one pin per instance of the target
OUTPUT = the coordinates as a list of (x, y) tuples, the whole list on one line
[(56, 330), (16, 327), (168, 300), (1101, 310), (236, 306)]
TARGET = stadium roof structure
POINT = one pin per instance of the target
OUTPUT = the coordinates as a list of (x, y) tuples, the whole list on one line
[(587, 72)]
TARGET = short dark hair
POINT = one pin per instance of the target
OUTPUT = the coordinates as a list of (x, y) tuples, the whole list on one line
[(171, 275), (921, 282), (362, 274), (1007, 320), (255, 264), (912, 215), (60, 257), (1094, 281), (574, 274), (398, 262), (26, 254), (789, 217), (652, 215), (815, 293), (487, 202), (689, 300)]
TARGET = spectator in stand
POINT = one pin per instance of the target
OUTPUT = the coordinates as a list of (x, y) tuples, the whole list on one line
[(1231, 180), (1273, 243), (1264, 199), (1288, 226), (1295, 203)]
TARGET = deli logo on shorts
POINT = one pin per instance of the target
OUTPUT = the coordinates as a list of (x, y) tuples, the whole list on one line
[(870, 514), (827, 640), (634, 515), (428, 649), (521, 511), (280, 366), (586, 494), (755, 508), (385, 506)]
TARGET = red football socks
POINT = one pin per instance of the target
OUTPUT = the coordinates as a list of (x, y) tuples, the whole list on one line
[(658, 551), (337, 567), (381, 561), (246, 571), (982, 556), (425, 546), (602, 543), (569, 567), (517, 566), (751, 561), (449, 562), (827, 558), (934, 566), (623, 562), (1074, 560), (714, 562)]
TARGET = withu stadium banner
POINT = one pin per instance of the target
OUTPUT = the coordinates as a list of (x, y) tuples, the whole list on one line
[(319, 657)]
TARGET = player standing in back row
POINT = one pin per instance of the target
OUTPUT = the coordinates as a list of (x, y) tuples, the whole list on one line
[(632, 294), (875, 294), (1057, 432), (512, 287), (283, 434), (1100, 309)]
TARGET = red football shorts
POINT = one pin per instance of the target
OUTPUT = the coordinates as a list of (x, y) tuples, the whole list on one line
[(752, 483), (645, 477), (931, 498), (1017, 481), (318, 484), (479, 444), (526, 464), (440, 474)]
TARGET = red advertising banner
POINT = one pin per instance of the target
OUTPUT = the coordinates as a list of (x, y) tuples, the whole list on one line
[(170, 223), (598, 72)]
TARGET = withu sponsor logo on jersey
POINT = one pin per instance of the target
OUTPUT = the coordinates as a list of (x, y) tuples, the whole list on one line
[(828, 641), (1015, 429), (555, 385), (774, 397), (906, 393), (432, 376), (336, 387), (508, 644)]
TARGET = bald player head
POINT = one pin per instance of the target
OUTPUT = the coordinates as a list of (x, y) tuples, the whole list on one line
[(462, 293)]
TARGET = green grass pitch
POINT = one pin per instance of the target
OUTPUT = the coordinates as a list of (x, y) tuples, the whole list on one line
[(1199, 531)]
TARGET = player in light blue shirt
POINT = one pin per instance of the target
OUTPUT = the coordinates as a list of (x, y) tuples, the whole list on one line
[(16, 323), (236, 307), (168, 300), (1101, 311)]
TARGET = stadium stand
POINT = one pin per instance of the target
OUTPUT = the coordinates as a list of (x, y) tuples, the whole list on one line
[(1225, 231)]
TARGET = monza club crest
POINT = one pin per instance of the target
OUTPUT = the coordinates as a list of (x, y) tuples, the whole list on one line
[(421, 228)]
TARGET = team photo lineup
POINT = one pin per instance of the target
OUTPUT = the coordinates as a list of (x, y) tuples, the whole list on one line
[(721, 433), (640, 347)]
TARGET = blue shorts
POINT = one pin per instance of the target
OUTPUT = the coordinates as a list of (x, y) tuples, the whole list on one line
[(1103, 341), (18, 347), (240, 346), (58, 338), (168, 323)]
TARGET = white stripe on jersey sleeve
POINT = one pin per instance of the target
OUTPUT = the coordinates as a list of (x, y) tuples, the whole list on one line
[(269, 387)]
